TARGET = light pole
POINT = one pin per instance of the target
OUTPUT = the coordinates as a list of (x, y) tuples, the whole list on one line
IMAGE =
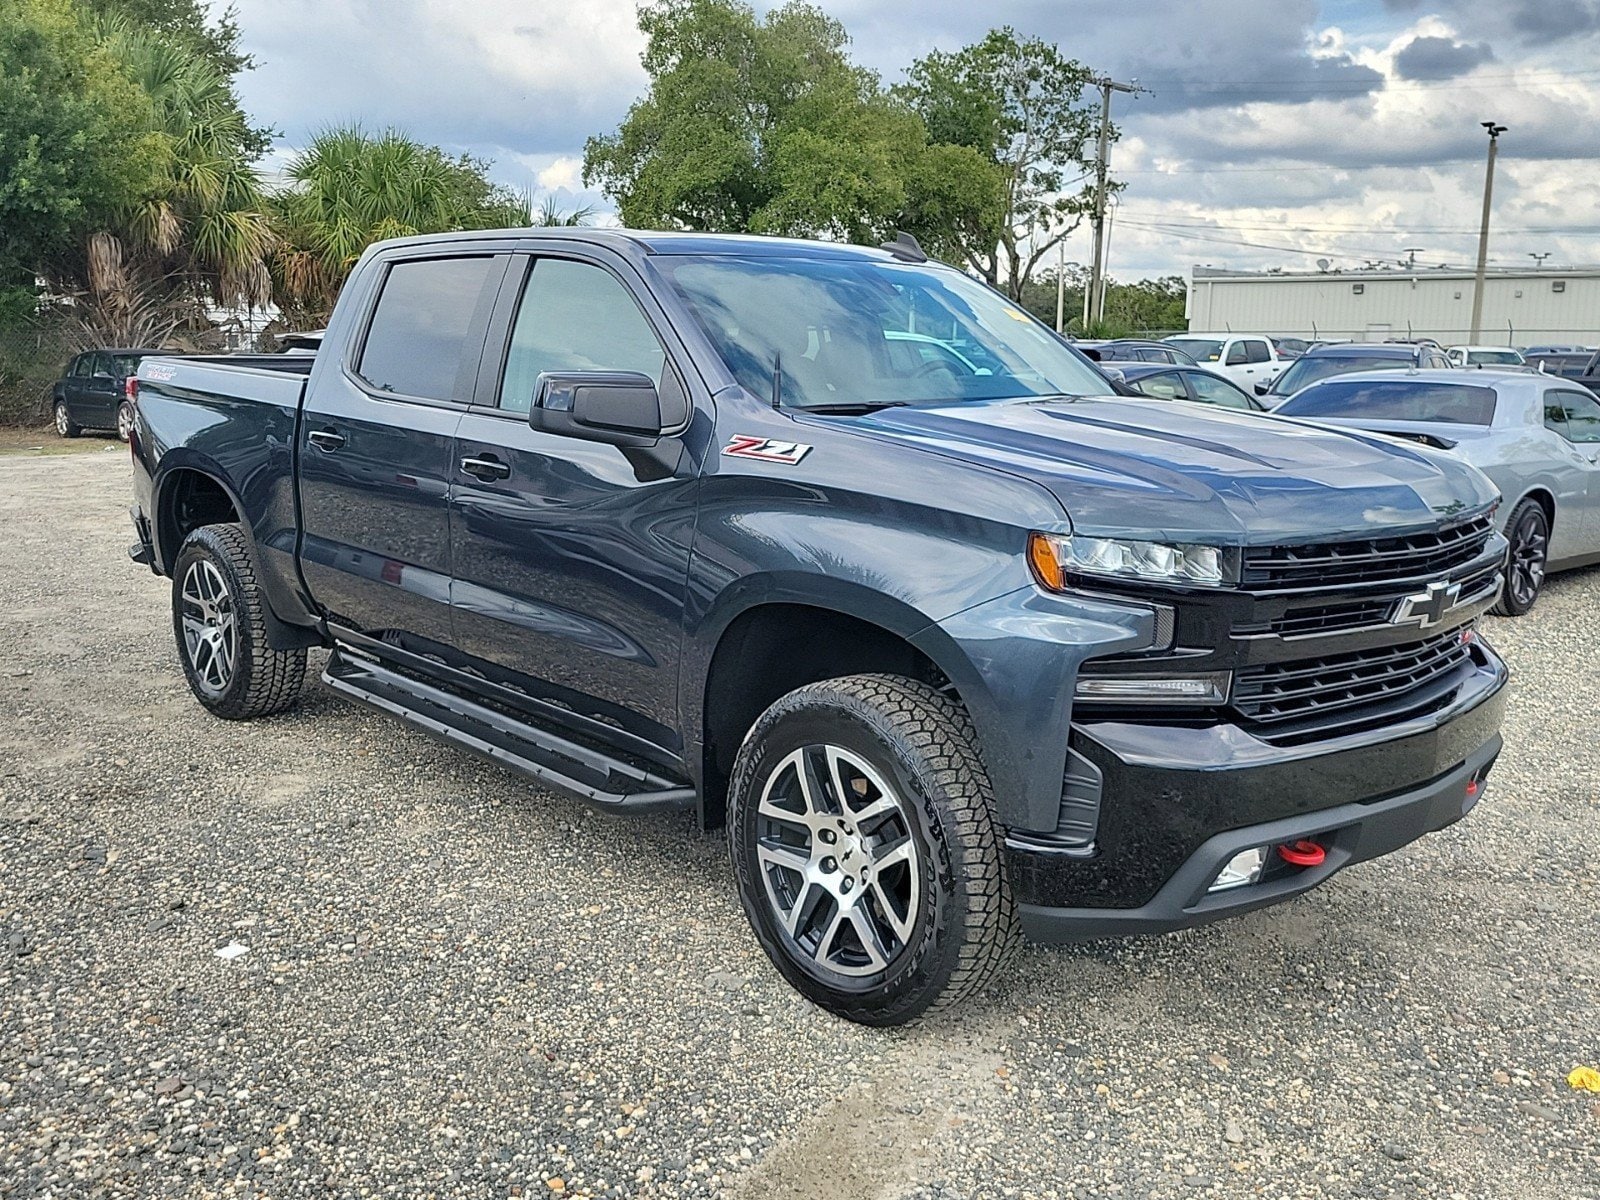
[(1538, 259), (1483, 232)]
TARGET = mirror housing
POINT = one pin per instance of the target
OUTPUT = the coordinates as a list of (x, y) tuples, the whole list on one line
[(617, 408), (1262, 386)]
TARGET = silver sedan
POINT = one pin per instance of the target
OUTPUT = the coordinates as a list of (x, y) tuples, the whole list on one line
[(1536, 436)]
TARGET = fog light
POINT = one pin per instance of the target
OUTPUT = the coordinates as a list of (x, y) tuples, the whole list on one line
[(1243, 868)]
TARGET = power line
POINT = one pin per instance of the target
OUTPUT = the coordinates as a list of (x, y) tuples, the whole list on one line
[(1187, 221)]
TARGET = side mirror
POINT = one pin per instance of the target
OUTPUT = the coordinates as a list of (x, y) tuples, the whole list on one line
[(1262, 386), (618, 408)]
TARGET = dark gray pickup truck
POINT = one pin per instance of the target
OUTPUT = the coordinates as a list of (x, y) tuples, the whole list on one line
[(846, 553)]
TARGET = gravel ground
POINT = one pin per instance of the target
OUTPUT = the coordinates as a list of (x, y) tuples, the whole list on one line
[(458, 986)]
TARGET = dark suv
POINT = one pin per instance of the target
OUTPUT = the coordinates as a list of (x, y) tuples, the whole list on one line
[(1323, 362), (93, 394)]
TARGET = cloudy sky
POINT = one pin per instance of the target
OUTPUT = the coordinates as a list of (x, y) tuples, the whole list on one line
[(1274, 132)]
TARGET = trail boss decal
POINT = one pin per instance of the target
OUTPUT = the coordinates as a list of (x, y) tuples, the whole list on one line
[(742, 445)]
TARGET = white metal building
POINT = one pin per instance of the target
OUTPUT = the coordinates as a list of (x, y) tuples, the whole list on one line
[(1520, 308)]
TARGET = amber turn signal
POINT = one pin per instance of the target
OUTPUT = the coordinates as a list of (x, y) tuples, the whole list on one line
[(1046, 566)]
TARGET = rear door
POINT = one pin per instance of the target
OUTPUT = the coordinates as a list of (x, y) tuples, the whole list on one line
[(571, 557), (75, 384), (376, 443)]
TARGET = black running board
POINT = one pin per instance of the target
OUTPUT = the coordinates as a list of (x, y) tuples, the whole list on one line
[(572, 767)]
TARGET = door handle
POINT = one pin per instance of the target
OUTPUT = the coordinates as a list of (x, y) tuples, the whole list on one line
[(486, 468), (325, 439)]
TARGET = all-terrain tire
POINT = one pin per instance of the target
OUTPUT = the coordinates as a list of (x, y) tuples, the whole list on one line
[(920, 745), (214, 587)]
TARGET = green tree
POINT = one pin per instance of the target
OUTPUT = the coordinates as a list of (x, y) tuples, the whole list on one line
[(77, 143), (1020, 106), (757, 124), (350, 189)]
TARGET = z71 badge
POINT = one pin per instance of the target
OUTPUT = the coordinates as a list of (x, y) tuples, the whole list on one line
[(742, 445)]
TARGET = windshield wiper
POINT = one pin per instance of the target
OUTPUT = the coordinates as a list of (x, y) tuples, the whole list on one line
[(860, 408)]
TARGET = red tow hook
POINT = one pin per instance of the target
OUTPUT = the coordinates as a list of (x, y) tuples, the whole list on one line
[(1302, 853)]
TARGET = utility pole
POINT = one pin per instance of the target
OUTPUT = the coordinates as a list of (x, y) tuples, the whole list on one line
[(1106, 85), (1061, 285), (1483, 232), (1538, 259)]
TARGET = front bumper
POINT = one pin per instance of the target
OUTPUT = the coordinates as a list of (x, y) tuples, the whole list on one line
[(1180, 802)]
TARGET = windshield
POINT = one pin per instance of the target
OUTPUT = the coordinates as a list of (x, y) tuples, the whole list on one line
[(1395, 400), (1482, 358), (1199, 349), (854, 331), (1304, 371)]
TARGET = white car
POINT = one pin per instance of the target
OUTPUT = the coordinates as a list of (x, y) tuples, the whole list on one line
[(1484, 356), (1245, 358)]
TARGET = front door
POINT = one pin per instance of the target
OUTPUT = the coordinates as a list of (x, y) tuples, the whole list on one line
[(376, 445), (98, 396), (1576, 417), (571, 557)]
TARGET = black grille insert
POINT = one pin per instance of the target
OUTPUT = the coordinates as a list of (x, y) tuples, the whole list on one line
[(1279, 692), (1376, 560)]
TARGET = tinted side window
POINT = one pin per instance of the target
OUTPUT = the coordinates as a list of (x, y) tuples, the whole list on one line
[(100, 365), (417, 341), (80, 366), (1257, 351), (1211, 390), (1164, 386), (575, 317), (1237, 355), (1581, 413)]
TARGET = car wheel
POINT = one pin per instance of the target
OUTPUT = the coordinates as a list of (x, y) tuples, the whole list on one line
[(867, 855), (65, 425), (1528, 531), (218, 618), (124, 421)]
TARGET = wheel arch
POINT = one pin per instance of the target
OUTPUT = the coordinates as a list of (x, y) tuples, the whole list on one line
[(188, 494)]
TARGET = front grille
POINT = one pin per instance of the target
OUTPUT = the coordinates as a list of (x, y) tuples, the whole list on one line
[(1281, 692), (1374, 560), (1332, 618)]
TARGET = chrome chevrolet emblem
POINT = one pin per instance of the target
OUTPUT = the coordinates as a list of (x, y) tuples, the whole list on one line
[(1428, 608)]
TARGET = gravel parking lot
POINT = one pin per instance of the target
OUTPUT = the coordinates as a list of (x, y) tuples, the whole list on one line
[(455, 985)]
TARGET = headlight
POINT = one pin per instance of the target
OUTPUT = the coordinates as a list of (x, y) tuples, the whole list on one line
[(1054, 556)]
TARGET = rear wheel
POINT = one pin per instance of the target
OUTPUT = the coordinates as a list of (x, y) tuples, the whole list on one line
[(218, 618), (65, 425), (124, 420), (868, 860), (1528, 531)]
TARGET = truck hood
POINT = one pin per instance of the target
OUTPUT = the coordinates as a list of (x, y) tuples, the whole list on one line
[(1187, 472)]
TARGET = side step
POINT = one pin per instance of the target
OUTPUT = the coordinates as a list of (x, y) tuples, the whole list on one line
[(582, 771)]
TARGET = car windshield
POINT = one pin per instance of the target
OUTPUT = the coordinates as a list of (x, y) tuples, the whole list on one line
[(1394, 400), (851, 331), (1483, 358), (1305, 371), (1199, 349)]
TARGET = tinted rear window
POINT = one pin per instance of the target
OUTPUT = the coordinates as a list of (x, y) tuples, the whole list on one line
[(417, 339), (1395, 400), (1305, 371)]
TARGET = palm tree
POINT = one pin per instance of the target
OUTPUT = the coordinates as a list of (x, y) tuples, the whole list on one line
[(351, 188), (202, 231)]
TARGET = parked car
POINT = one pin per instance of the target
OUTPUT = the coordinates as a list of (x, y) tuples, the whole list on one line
[(93, 392), (1127, 350), (308, 342), (1290, 347), (1247, 359), (1322, 362), (664, 520), (1163, 382), (1583, 367), (1484, 356), (1536, 437), (1555, 349)]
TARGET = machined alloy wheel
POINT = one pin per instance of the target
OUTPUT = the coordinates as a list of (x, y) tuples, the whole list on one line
[(65, 425), (124, 420), (221, 624), (1529, 534), (839, 863), (868, 859), (210, 634)]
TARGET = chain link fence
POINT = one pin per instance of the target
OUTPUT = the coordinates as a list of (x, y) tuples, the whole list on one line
[(32, 357)]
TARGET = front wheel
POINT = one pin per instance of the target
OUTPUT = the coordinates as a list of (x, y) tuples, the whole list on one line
[(65, 425), (1528, 531), (867, 855), (219, 620)]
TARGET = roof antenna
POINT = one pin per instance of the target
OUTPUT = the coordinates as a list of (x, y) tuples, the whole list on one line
[(905, 248), (777, 379)]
